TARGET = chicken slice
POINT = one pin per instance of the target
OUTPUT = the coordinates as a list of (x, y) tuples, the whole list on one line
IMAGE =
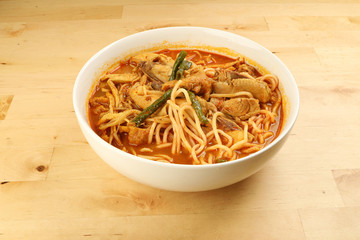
[(241, 107), (136, 136), (260, 90), (141, 99), (195, 81)]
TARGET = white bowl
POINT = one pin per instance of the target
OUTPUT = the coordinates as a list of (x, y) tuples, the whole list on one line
[(177, 177)]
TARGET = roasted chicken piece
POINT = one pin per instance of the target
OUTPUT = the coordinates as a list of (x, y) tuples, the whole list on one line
[(157, 67), (258, 89), (195, 81), (141, 98), (136, 136), (243, 108)]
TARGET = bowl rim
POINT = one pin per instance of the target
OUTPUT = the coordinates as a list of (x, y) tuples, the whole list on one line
[(86, 126)]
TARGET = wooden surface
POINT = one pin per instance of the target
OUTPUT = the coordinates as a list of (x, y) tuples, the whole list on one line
[(53, 186)]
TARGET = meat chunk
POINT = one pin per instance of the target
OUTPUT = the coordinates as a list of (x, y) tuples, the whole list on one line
[(233, 129), (238, 135), (157, 67), (169, 85), (247, 68), (223, 87), (241, 107), (156, 71), (141, 99), (96, 101), (227, 124), (195, 81), (136, 136), (259, 90), (224, 75), (151, 57), (120, 78)]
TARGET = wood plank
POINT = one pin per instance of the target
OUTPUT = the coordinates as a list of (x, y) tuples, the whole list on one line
[(24, 163), (246, 9), (116, 196), (218, 225), (327, 144), (331, 223), (43, 132), (276, 39), (43, 11), (314, 23), (30, 83), (348, 181), (51, 179), (306, 59), (48, 105), (26, 49), (78, 162), (330, 57)]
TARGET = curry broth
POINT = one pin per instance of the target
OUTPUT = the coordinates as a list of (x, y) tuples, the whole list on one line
[(183, 157)]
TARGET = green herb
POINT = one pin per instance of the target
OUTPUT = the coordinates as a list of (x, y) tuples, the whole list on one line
[(197, 107), (185, 65), (180, 58)]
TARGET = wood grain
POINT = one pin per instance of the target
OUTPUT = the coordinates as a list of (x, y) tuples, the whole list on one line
[(348, 181), (5, 102), (54, 186)]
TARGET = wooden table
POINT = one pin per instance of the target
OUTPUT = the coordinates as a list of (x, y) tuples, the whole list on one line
[(53, 186)]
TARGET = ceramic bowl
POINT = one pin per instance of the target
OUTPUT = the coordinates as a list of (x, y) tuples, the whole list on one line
[(178, 177)]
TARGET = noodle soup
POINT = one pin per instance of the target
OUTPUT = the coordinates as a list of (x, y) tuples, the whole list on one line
[(186, 107)]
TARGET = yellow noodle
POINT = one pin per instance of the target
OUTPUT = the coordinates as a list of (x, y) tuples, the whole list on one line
[(255, 127), (163, 145), (151, 132), (116, 137), (230, 95), (213, 124), (115, 92), (163, 160), (224, 65), (210, 158), (199, 54), (269, 114), (239, 144), (220, 146), (271, 80), (251, 147), (132, 150), (278, 102), (268, 134), (166, 133), (227, 136), (261, 139), (173, 93), (111, 102), (156, 158), (157, 133), (180, 130), (193, 154), (164, 156), (146, 150), (191, 133), (115, 119), (176, 139)]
